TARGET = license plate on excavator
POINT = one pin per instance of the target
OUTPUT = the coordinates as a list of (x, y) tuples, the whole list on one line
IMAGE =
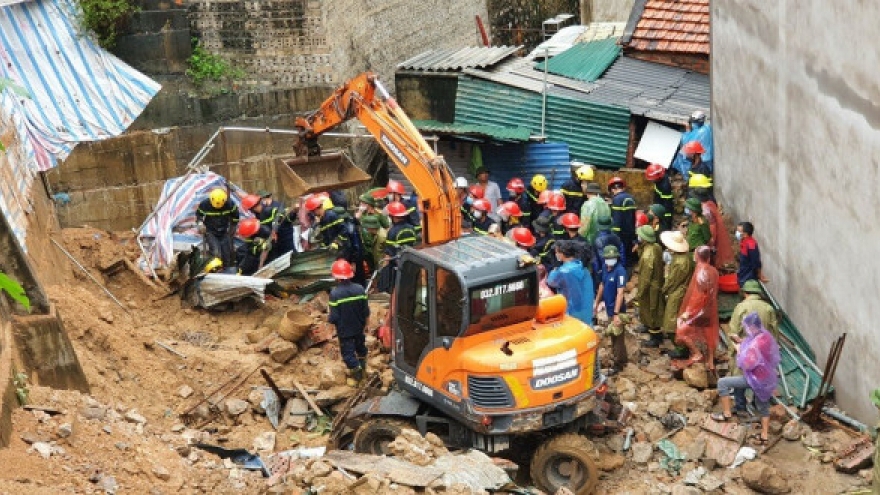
[(302, 175)]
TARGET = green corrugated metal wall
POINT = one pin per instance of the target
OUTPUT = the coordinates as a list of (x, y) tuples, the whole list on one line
[(596, 134)]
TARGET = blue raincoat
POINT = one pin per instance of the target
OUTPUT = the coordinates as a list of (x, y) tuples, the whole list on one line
[(575, 283)]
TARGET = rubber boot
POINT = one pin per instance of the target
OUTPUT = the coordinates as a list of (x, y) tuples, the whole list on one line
[(355, 377), (363, 363), (654, 341)]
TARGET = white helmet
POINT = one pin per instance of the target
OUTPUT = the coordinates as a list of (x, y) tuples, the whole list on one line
[(461, 182)]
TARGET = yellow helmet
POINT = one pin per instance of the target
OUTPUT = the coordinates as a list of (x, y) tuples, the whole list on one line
[(327, 205), (539, 183), (218, 197), (214, 265), (699, 180), (585, 172)]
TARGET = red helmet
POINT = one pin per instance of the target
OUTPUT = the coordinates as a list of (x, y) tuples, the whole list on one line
[(512, 209), (523, 236), (544, 197), (655, 171), (477, 191), (516, 185), (396, 209), (616, 180), (570, 221), (482, 205), (248, 227), (341, 270), (395, 187), (641, 218), (314, 202), (693, 148), (249, 201), (556, 202)]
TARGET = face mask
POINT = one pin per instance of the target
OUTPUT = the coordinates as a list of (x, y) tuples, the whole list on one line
[(611, 262), (468, 200), (504, 216), (687, 211), (667, 257), (739, 235), (478, 214), (511, 193)]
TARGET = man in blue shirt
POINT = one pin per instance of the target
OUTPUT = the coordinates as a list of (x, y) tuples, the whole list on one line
[(611, 293), (573, 281)]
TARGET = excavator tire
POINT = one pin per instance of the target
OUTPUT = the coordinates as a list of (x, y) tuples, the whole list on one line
[(375, 434), (565, 461)]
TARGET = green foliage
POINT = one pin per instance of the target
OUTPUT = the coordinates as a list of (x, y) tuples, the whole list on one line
[(20, 382), (204, 67), (105, 18), (15, 291)]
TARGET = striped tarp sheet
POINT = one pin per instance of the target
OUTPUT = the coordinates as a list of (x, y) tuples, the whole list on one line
[(177, 213), (76, 92)]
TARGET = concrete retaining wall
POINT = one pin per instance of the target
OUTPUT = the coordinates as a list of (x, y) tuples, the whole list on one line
[(796, 132)]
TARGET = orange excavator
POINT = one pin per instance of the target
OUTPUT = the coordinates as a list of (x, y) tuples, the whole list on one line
[(477, 358)]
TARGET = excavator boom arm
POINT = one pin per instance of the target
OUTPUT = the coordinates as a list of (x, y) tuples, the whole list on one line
[(364, 98)]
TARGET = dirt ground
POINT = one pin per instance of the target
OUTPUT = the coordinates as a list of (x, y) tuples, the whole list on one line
[(128, 435)]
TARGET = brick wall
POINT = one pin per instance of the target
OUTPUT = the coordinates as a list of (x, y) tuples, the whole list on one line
[(695, 62), (292, 43)]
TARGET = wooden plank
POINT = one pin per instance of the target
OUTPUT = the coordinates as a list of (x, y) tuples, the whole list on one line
[(308, 398), (395, 470)]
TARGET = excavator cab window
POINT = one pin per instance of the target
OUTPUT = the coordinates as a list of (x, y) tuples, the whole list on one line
[(413, 312), (502, 303), (450, 303)]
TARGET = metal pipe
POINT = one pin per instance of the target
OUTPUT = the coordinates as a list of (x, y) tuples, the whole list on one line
[(790, 412), (77, 263), (806, 375), (784, 383), (839, 416), (295, 132)]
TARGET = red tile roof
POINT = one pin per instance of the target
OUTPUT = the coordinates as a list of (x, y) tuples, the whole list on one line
[(672, 26)]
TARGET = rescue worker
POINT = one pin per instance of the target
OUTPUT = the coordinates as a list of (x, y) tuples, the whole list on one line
[(610, 291), (510, 216), (750, 266), (276, 219), (556, 205), (663, 196), (370, 206), (655, 216), (373, 235), (256, 242), (719, 241), (649, 294), (573, 188), (623, 216), (753, 303), (698, 231), (537, 186), (523, 238), (330, 228), (605, 237), (572, 279), (679, 269), (482, 220), (395, 193), (594, 207), (572, 225), (692, 159), (516, 192), (349, 312), (543, 248), (217, 220), (401, 234), (702, 132), (464, 203)]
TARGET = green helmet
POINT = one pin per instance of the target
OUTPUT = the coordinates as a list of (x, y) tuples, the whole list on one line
[(752, 287), (610, 252)]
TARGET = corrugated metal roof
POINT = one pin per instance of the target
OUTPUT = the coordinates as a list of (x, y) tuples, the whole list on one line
[(513, 133), (456, 59), (659, 92), (595, 133), (583, 61)]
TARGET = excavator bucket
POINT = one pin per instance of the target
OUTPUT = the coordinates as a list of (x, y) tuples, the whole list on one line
[(301, 175)]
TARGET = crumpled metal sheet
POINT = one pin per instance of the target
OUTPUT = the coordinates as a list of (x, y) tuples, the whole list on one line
[(216, 288)]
